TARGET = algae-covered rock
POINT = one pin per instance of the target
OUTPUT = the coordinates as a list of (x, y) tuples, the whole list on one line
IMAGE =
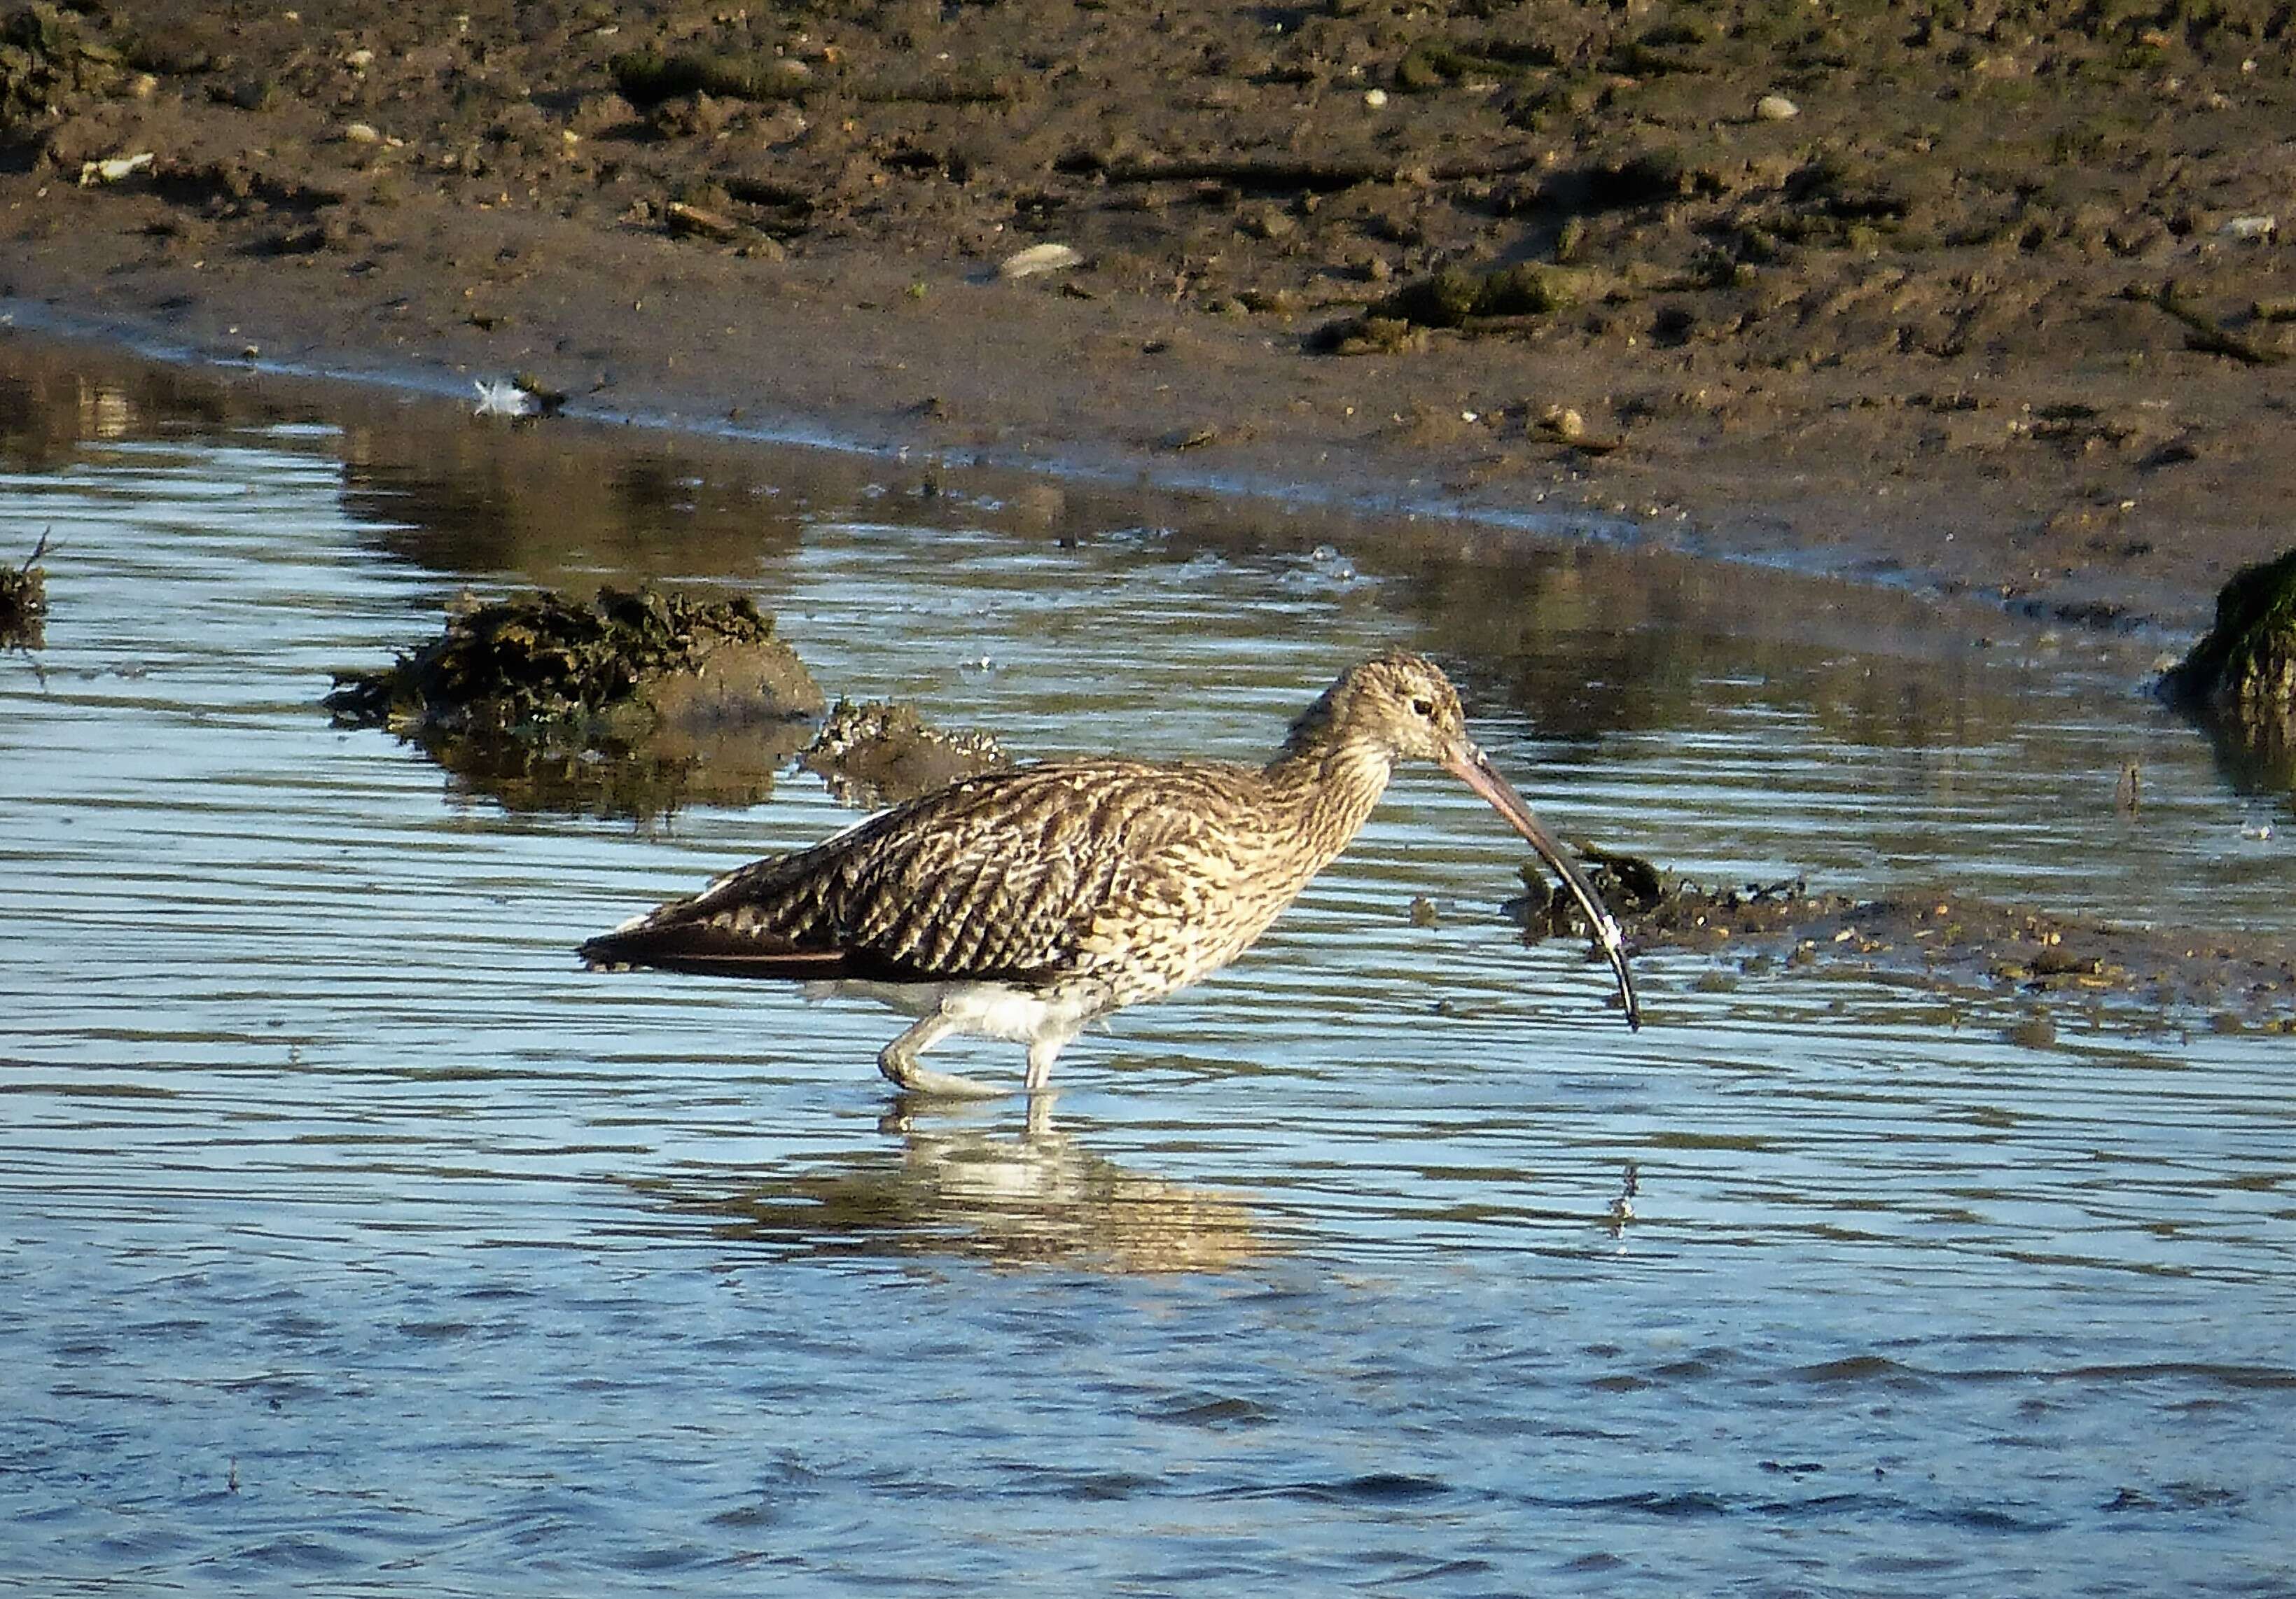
[(24, 601), (50, 55), (2241, 678), (627, 705), (1936, 940), (879, 753)]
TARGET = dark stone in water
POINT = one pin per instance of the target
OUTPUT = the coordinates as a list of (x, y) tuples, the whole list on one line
[(2240, 680), (880, 753), (24, 602)]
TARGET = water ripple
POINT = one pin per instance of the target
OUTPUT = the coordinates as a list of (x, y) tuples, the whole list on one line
[(356, 1243)]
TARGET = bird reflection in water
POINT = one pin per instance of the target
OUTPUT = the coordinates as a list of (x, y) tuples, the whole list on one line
[(1039, 1197)]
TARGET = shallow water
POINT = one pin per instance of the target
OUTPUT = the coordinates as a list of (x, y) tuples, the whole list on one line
[(356, 1243)]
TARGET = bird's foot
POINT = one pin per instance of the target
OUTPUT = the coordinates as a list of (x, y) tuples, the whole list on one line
[(906, 1073)]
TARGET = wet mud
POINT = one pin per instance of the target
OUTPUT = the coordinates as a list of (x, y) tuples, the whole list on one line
[(1997, 302)]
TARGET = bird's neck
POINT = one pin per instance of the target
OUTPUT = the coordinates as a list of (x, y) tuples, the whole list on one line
[(1331, 789)]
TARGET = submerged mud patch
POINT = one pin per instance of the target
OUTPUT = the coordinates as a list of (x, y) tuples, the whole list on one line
[(626, 705), (1948, 942)]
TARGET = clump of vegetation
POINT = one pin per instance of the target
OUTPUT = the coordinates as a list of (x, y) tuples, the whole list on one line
[(626, 705), (24, 601), (541, 660)]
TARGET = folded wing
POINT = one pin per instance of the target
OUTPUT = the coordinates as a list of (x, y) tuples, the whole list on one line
[(1001, 878)]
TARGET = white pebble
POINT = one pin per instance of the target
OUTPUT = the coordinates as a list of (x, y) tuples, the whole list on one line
[(112, 168)]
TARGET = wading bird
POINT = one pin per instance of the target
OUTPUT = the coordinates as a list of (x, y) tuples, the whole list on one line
[(1023, 904)]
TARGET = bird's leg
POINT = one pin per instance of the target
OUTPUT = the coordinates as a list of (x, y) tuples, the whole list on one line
[(898, 1062), (1042, 1052)]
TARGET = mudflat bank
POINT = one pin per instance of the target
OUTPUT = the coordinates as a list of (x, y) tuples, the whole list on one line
[(1996, 300)]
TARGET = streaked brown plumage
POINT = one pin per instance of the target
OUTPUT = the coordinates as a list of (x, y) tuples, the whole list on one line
[(1023, 904)]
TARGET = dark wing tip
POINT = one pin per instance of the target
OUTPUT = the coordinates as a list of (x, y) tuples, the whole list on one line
[(601, 953), (708, 949)]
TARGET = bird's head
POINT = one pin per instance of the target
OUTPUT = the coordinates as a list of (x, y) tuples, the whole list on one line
[(1404, 705), (1398, 701)]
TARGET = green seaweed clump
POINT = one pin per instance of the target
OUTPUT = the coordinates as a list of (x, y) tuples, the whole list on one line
[(47, 55), (541, 659), (2241, 678), (626, 705)]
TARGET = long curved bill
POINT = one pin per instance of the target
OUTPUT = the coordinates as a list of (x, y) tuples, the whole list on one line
[(1472, 768)]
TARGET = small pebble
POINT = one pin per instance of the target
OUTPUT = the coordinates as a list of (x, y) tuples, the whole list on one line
[(1564, 423)]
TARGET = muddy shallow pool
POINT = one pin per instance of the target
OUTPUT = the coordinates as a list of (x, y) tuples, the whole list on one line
[(356, 1241)]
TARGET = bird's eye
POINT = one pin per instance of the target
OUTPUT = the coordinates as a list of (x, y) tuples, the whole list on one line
[(1424, 708)]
